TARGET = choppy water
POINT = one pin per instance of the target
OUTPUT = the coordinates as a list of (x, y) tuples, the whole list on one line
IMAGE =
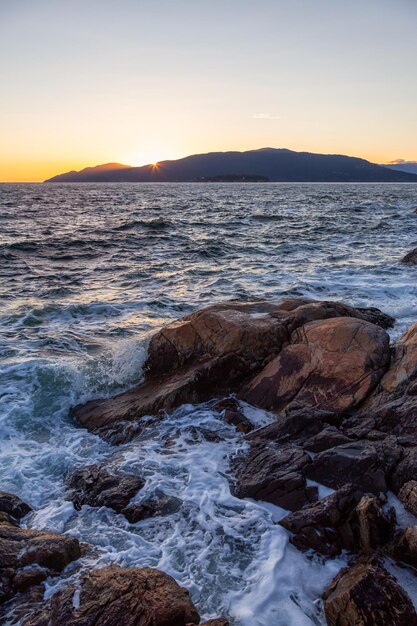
[(88, 272)]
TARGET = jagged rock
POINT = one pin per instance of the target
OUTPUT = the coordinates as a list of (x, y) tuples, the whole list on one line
[(27, 557), (215, 622), (97, 486), (115, 596), (232, 414), (274, 473), (13, 505), (332, 365), (361, 463), (136, 512), (404, 546), (408, 496), (209, 353), (327, 438), (346, 519), (410, 257), (365, 594)]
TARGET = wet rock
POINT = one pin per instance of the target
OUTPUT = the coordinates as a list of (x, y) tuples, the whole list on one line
[(346, 519), (410, 257), (274, 473), (215, 622), (405, 471), (113, 596), (365, 594), (361, 463), (136, 512), (408, 496), (404, 546), (97, 486), (192, 384), (209, 353), (332, 365), (27, 557), (327, 438), (13, 505), (233, 414)]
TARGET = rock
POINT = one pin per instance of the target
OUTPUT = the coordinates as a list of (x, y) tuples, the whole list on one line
[(361, 463), (408, 496), (233, 414), (97, 486), (151, 508), (13, 505), (404, 546), (209, 353), (274, 473), (346, 519), (332, 365), (192, 384), (327, 438), (215, 622), (365, 594), (405, 471), (115, 596), (28, 557), (410, 257)]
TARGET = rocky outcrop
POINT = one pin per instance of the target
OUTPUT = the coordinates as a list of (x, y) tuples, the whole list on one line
[(233, 414), (28, 557), (209, 353), (113, 596), (331, 365), (166, 505), (410, 257), (346, 519), (365, 594), (97, 486)]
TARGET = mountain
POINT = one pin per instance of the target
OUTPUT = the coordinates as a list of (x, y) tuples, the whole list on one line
[(276, 165), (403, 166)]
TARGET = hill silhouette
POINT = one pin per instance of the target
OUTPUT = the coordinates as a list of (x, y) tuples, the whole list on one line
[(276, 165)]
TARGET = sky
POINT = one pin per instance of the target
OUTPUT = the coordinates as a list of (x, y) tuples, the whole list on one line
[(85, 82)]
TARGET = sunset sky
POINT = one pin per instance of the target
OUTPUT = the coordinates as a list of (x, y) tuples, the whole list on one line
[(91, 81)]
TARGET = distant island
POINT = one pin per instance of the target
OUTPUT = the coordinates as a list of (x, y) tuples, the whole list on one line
[(265, 164)]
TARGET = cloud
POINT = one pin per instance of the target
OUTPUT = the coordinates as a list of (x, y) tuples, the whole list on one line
[(265, 116), (397, 162)]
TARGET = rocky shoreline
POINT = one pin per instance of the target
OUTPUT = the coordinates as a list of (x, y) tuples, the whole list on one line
[(345, 406)]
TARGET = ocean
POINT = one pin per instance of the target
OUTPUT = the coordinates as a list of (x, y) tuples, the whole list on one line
[(89, 272)]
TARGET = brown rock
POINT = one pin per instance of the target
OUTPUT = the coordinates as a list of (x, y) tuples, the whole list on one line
[(410, 257), (405, 470), (29, 556), (115, 596), (332, 365), (365, 594), (344, 520), (404, 546), (166, 505), (215, 622), (408, 496), (97, 486), (13, 505), (274, 473), (233, 414), (211, 352)]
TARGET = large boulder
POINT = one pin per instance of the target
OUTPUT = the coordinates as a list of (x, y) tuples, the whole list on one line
[(365, 594), (332, 365), (410, 257), (404, 546), (346, 519), (97, 486), (28, 557), (408, 496), (113, 596), (208, 353)]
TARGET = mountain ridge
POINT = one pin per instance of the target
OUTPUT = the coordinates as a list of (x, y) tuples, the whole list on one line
[(273, 164)]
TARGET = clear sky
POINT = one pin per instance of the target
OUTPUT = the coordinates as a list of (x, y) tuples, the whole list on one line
[(84, 82)]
